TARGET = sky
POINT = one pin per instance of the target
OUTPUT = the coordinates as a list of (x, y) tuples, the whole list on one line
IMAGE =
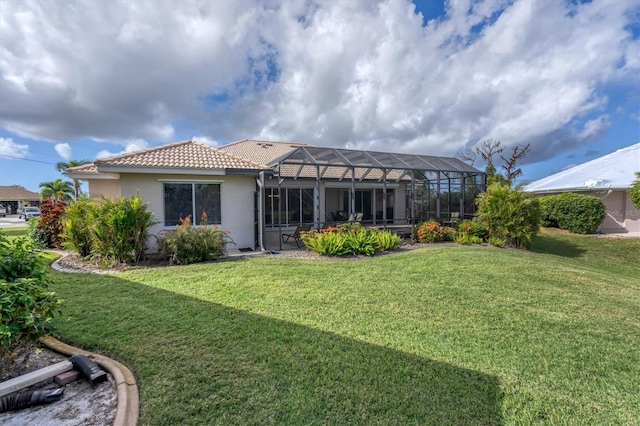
[(80, 80)]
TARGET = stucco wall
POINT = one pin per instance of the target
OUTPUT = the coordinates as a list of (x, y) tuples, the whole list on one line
[(614, 204), (104, 189), (236, 198), (621, 215), (632, 215)]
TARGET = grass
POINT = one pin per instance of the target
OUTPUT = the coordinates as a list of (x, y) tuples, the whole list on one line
[(441, 335), (18, 231)]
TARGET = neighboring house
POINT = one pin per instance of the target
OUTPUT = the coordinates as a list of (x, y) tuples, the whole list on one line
[(15, 197), (608, 178), (250, 188)]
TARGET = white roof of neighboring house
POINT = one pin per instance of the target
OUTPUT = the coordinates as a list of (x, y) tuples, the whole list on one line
[(612, 171)]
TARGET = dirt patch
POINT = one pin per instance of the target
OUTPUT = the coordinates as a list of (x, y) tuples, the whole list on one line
[(80, 404)]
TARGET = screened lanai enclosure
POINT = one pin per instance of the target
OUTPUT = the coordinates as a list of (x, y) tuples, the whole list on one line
[(318, 186)]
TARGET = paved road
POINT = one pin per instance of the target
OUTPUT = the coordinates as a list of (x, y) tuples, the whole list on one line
[(11, 221)]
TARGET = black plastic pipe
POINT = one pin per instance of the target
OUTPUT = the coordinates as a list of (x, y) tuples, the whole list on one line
[(20, 400), (89, 369)]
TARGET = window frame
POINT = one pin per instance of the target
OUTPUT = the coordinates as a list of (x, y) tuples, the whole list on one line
[(192, 183)]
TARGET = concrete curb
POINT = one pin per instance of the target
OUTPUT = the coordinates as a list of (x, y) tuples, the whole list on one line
[(128, 407)]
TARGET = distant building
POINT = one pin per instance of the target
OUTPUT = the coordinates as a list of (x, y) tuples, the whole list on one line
[(609, 178), (16, 197)]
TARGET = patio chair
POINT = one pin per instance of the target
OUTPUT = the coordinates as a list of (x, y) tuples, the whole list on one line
[(357, 217), (297, 234), (453, 219)]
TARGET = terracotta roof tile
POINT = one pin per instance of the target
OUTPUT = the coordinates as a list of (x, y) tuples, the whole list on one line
[(180, 155), (90, 168), (261, 152), (14, 193)]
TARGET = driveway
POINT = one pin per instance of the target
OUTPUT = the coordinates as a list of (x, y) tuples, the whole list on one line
[(11, 221)]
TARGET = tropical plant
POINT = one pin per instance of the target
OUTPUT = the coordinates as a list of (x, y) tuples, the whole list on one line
[(387, 240), (62, 166), (27, 307), (432, 232), (57, 190), (472, 227), (350, 239), (509, 214), (634, 191), (120, 229), (49, 225), (192, 244), (77, 234)]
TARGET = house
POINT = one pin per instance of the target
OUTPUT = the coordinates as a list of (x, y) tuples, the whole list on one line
[(16, 197), (609, 178), (254, 189)]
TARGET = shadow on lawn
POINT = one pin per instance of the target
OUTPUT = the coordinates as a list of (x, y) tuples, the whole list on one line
[(553, 244), (199, 362)]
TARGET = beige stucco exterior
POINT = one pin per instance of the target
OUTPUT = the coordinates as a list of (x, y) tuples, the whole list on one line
[(621, 215), (236, 199), (99, 188)]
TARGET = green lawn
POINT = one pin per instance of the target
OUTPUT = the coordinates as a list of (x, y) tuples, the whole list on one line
[(441, 335), (18, 231)]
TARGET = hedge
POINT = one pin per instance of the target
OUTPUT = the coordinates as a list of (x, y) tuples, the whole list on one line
[(577, 213)]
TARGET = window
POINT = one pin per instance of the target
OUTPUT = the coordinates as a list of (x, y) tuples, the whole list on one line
[(191, 199), (296, 206)]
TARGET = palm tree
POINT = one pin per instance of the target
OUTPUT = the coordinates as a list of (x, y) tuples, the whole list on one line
[(57, 190), (62, 166)]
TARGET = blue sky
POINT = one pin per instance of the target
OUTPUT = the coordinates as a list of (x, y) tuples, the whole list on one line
[(85, 79)]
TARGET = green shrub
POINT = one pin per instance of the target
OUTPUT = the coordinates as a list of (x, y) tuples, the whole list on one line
[(77, 234), (430, 232), (510, 215), (19, 259), (39, 237), (475, 240), (361, 241), (350, 239), (27, 307), (190, 244), (387, 240), (327, 243), (463, 239), (546, 217), (472, 227), (49, 226), (578, 213), (497, 242), (120, 229), (634, 191)]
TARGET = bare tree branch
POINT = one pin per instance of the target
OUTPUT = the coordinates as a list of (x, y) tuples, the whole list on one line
[(510, 164)]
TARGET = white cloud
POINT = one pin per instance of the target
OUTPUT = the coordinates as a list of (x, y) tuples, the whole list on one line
[(357, 73), (10, 150), (64, 150), (129, 146), (205, 140)]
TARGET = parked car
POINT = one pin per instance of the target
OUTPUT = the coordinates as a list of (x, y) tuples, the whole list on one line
[(31, 212), (3, 211)]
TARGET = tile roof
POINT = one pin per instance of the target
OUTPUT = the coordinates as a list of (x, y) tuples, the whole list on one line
[(261, 152), (90, 168), (180, 155), (14, 193)]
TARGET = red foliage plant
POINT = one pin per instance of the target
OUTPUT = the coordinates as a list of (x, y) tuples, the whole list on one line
[(50, 221)]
